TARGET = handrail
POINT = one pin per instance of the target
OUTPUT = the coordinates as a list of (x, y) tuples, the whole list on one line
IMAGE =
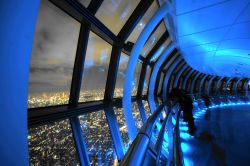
[(137, 151), (177, 148), (158, 145)]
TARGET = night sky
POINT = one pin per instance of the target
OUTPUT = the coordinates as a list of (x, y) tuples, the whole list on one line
[(55, 44)]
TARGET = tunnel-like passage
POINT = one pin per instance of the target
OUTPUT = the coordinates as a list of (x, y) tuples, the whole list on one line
[(90, 82)]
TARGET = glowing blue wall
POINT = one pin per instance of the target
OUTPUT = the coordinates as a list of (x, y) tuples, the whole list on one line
[(16, 34), (214, 35)]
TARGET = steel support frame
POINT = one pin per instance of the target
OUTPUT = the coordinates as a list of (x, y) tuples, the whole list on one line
[(209, 85), (223, 84), (236, 86), (168, 60), (218, 84), (227, 83), (155, 72), (173, 75), (193, 82), (246, 87), (112, 74), (183, 76), (177, 78), (202, 83), (167, 76), (148, 58), (243, 84), (76, 85), (127, 105), (89, 22), (184, 85)]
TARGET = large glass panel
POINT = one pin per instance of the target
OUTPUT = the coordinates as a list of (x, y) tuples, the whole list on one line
[(52, 144), (95, 69), (146, 107), (53, 56), (160, 50), (120, 75), (146, 81), (140, 26), (137, 115), (115, 13), (136, 78), (85, 3), (153, 39), (122, 127), (122, 123), (97, 137)]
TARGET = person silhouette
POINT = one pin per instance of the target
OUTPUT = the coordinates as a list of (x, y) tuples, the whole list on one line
[(186, 105)]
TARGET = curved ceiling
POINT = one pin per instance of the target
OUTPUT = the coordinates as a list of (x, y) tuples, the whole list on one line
[(214, 35)]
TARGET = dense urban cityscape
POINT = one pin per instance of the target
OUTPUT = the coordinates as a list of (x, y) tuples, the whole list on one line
[(52, 144), (59, 98)]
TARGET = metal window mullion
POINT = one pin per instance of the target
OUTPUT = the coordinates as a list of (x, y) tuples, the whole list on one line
[(76, 10), (114, 130), (76, 87), (112, 73), (79, 141), (108, 100), (75, 92)]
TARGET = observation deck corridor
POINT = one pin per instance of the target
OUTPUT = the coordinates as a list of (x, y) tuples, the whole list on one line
[(222, 136)]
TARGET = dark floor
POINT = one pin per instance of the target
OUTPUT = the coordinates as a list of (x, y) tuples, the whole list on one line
[(222, 137)]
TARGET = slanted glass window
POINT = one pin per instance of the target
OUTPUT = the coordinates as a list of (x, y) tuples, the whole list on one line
[(137, 115), (146, 81), (52, 144), (153, 39), (122, 127), (53, 56), (85, 3), (95, 69), (140, 26), (146, 108), (115, 13), (121, 75), (122, 122), (160, 50), (136, 78), (97, 137)]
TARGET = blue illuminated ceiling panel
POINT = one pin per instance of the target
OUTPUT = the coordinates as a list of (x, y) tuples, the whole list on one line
[(214, 35)]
